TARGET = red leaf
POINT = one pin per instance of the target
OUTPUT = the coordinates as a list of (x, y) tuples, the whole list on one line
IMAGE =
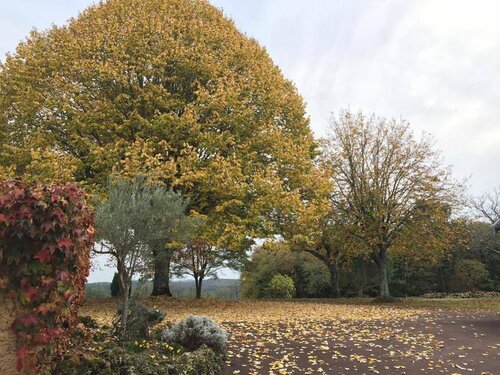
[(45, 308), (44, 256), (47, 226), (65, 243), (31, 293), (3, 219), (63, 276), (18, 193), (21, 355), (46, 281), (30, 319)]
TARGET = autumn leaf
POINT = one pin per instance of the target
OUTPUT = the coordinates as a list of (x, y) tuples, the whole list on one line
[(65, 243)]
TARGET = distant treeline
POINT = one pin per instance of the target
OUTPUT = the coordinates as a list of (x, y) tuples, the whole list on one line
[(228, 289)]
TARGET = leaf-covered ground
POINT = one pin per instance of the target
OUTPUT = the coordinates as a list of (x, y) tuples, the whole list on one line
[(335, 337)]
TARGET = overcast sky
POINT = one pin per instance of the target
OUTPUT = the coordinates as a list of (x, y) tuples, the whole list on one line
[(436, 63)]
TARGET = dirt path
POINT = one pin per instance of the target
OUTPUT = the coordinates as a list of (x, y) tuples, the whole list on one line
[(440, 342)]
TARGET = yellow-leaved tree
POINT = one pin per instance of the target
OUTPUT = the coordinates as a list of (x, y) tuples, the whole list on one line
[(169, 89), (390, 189)]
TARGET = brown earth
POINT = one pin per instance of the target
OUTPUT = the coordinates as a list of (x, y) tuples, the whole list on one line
[(338, 337), (439, 343)]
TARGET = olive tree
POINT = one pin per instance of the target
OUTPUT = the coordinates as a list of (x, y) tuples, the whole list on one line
[(134, 214)]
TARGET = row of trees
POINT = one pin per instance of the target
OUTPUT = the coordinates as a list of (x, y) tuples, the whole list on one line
[(473, 263), (173, 92)]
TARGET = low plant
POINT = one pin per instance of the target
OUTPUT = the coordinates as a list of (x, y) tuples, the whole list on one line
[(140, 321), (281, 286), (196, 331)]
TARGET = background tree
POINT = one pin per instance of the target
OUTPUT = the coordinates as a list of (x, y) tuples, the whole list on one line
[(329, 244), (167, 225), (381, 178), (169, 89), (115, 287), (200, 260), (486, 206), (469, 274)]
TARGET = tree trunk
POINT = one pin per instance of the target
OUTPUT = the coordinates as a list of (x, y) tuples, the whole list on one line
[(122, 273), (443, 283), (334, 279), (382, 268), (124, 315), (124, 284), (161, 280), (363, 282), (198, 281)]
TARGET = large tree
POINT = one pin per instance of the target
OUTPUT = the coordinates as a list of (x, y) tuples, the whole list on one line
[(167, 88), (388, 184)]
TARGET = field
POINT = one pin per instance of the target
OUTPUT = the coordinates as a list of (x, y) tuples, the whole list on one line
[(413, 336)]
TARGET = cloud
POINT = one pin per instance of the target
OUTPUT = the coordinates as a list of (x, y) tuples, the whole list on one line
[(433, 62)]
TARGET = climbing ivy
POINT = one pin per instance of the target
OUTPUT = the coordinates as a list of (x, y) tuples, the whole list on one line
[(46, 233)]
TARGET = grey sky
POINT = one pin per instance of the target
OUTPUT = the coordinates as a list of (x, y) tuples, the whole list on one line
[(435, 63)]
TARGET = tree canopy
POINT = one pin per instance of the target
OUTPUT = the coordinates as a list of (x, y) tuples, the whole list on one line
[(389, 187), (170, 89)]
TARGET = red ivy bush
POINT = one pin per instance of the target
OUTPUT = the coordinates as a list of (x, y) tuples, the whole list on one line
[(46, 234)]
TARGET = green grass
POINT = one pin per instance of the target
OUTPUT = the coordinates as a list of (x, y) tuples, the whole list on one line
[(458, 304), (487, 305)]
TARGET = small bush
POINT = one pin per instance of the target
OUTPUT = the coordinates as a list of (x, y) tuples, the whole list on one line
[(203, 361), (140, 320), (115, 287), (281, 286), (107, 357), (88, 321), (82, 363), (195, 331)]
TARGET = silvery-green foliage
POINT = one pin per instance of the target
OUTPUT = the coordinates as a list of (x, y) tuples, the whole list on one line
[(195, 331)]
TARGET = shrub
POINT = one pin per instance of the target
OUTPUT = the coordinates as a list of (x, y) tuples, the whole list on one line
[(88, 321), (281, 286), (115, 359), (195, 331), (203, 361), (46, 234), (115, 287), (140, 320)]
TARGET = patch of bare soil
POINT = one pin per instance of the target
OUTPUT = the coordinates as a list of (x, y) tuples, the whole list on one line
[(439, 343)]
